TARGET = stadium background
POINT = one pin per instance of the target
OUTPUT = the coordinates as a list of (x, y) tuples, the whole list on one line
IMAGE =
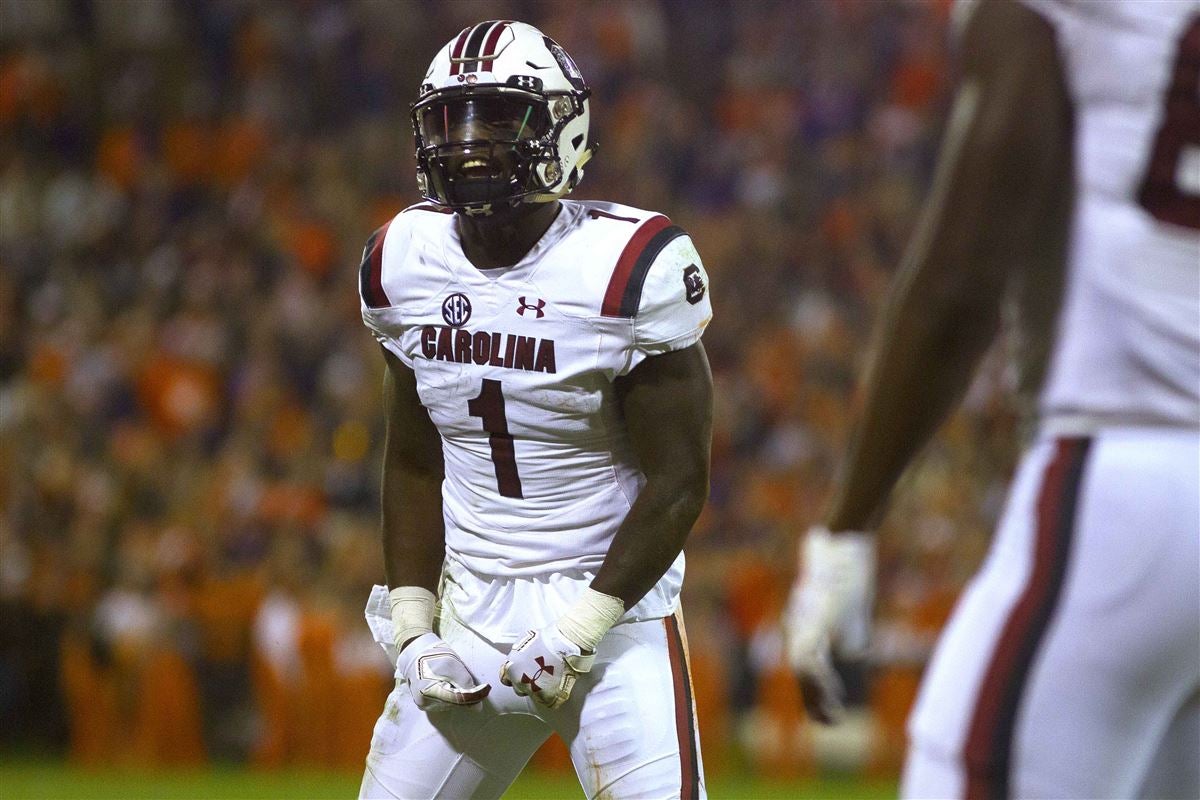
[(190, 407)]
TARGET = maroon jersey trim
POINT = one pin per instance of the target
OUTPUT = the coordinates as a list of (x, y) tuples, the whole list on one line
[(370, 273), (624, 292)]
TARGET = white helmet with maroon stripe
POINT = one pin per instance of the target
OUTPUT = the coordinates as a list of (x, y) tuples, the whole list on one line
[(501, 119)]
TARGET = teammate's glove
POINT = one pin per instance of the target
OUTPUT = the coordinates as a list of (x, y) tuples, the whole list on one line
[(831, 599), (546, 663), (435, 674)]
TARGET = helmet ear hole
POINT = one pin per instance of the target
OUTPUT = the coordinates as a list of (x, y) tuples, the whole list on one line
[(561, 108)]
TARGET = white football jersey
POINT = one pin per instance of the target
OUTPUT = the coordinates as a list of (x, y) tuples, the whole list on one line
[(516, 368), (1127, 349)]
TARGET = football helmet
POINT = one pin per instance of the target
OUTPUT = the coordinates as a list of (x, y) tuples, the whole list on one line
[(501, 119)]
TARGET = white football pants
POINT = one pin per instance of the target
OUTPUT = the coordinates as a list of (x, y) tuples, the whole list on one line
[(1071, 666), (629, 724)]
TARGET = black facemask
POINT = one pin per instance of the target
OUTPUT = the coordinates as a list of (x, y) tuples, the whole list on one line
[(478, 147)]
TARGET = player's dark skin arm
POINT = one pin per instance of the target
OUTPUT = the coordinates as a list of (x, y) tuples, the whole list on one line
[(667, 405), (414, 536), (1000, 204)]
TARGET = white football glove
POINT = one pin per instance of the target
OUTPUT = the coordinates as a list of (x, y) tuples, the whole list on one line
[(437, 677), (831, 600), (435, 674), (546, 663)]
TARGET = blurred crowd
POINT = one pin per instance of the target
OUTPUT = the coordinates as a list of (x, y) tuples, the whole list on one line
[(190, 420)]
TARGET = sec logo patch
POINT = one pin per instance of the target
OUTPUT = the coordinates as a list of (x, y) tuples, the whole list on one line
[(456, 310)]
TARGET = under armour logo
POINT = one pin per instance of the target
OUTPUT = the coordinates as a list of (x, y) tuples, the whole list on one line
[(542, 668), (526, 82), (693, 284), (534, 307)]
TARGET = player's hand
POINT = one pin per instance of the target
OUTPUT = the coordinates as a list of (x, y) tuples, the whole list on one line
[(544, 665), (437, 677), (830, 603)]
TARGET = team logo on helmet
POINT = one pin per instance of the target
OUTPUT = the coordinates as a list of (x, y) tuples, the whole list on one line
[(566, 64), (456, 310)]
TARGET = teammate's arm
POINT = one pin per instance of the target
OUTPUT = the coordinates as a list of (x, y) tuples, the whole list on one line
[(667, 404), (1000, 202), (414, 545), (998, 210)]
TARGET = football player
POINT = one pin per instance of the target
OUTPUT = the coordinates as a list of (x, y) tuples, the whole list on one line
[(1069, 181), (548, 410)]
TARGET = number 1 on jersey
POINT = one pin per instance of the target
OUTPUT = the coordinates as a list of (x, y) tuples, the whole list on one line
[(489, 407)]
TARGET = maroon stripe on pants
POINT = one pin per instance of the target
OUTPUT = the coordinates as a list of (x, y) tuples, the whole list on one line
[(685, 723), (987, 751)]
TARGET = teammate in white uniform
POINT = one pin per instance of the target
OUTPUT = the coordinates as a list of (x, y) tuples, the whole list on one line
[(549, 415), (1069, 180)]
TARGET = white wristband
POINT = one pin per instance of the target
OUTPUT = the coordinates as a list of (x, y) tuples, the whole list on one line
[(412, 612), (829, 556), (586, 622)]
